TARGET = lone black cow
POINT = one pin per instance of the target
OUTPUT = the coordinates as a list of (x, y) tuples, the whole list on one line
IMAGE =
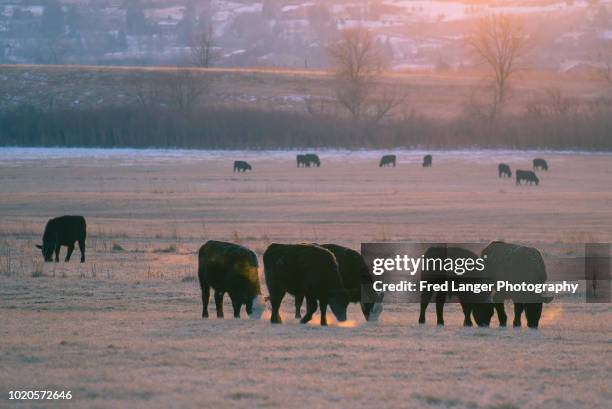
[(387, 160), (479, 305), (516, 264), (241, 166), (304, 270), (354, 272), (504, 170), (528, 176), (228, 267), (540, 164), (64, 231), (427, 161)]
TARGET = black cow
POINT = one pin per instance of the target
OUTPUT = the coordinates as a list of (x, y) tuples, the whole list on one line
[(478, 305), (241, 166), (528, 176), (308, 159), (228, 267), (387, 160), (427, 161), (540, 164), (64, 231), (516, 264), (504, 170), (304, 270), (354, 272)]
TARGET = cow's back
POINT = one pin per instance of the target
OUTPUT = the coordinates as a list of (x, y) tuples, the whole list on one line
[(222, 265), (298, 268), (67, 229), (353, 269)]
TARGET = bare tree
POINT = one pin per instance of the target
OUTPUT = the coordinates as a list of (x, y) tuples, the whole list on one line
[(358, 63), (202, 48), (499, 42)]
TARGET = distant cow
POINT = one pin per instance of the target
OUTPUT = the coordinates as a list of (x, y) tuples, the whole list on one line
[(540, 164), (387, 160), (354, 272), (504, 170), (307, 160), (305, 270), (478, 305), (516, 264), (427, 161), (241, 166), (233, 269), (63, 231), (528, 176)]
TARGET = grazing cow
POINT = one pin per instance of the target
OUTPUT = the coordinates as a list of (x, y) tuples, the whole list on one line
[(233, 269), (528, 176), (540, 164), (63, 231), (427, 161), (516, 264), (308, 159), (241, 166), (478, 305), (354, 272), (504, 170), (313, 159), (387, 160), (304, 270)]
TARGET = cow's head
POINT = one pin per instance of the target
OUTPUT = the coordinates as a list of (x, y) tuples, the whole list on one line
[(47, 251), (338, 302), (258, 308)]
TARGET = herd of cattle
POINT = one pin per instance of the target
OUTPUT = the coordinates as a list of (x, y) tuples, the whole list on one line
[(332, 275), (312, 160)]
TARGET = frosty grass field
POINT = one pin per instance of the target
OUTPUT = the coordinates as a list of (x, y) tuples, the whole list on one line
[(124, 328)]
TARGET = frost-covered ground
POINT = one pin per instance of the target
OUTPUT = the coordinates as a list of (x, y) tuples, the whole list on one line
[(124, 328)]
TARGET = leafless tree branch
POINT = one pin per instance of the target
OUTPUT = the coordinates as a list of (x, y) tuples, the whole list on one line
[(499, 42)]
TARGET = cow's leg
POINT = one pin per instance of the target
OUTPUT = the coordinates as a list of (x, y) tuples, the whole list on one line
[(237, 306), (366, 308), (299, 299), (501, 313), (82, 249), (323, 308), (518, 310), (69, 252), (533, 312), (425, 298), (467, 314), (248, 306), (219, 303), (311, 308), (276, 300), (440, 299), (57, 251), (205, 298)]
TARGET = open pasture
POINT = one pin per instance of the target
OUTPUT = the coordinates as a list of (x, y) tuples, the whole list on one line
[(124, 327)]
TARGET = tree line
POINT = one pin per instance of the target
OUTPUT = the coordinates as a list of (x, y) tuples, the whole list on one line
[(541, 127)]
